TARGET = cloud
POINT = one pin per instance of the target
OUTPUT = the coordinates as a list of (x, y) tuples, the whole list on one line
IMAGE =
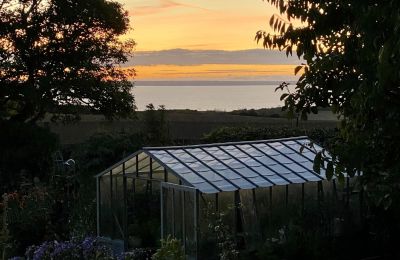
[(198, 57), (161, 6)]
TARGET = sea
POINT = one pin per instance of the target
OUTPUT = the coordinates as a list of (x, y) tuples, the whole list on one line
[(208, 95)]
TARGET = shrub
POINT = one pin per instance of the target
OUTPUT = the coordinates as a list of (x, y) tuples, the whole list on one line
[(28, 217), (26, 152), (138, 254), (171, 249), (232, 134)]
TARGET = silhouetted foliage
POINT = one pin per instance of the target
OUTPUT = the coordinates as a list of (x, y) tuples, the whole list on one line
[(352, 55), (237, 134), (263, 112), (61, 55), (156, 128), (26, 152)]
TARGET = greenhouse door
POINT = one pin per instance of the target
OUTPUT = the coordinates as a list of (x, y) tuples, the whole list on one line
[(179, 216)]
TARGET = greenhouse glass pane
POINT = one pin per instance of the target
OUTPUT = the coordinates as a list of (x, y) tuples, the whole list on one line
[(179, 168), (260, 181), (281, 148), (224, 185), (192, 178), (190, 225), (206, 187), (263, 171), (309, 176), (281, 159), (217, 153), (211, 149), (235, 153), (243, 184), (215, 165), (308, 154), (130, 164), (308, 165), (106, 221), (198, 167), (297, 157), (234, 164), (265, 149), (229, 174), (246, 172), (296, 147), (278, 180), (293, 178), (295, 167), (117, 206), (117, 170), (266, 160), (166, 158), (168, 212), (158, 152), (279, 169), (211, 176), (177, 152), (178, 216), (249, 216), (250, 162)]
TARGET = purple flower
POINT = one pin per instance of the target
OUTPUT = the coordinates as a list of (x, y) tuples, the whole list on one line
[(40, 251), (88, 243), (61, 248), (88, 246)]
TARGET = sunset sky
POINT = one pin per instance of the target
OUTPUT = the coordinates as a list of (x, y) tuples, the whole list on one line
[(198, 26)]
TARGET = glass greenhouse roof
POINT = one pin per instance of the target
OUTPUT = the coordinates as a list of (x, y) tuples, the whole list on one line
[(213, 168)]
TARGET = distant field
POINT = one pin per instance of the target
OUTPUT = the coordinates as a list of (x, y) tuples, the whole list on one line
[(182, 124)]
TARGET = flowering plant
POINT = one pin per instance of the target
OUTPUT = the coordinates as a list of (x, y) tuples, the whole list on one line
[(88, 248)]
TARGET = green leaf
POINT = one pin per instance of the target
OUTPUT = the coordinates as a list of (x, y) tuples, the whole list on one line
[(271, 21), (284, 96), (314, 110), (317, 162), (329, 170), (341, 178), (297, 69)]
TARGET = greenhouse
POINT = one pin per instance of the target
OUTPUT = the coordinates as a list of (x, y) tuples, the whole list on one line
[(161, 191)]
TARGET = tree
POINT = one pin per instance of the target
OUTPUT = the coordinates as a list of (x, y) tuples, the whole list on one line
[(352, 53), (155, 125), (62, 56)]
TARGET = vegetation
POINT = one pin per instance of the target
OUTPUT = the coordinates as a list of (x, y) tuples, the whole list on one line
[(352, 61), (40, 72), (265, 112), (351, 49), (26, 154), (155, 127), (235, 134), (171, 249)]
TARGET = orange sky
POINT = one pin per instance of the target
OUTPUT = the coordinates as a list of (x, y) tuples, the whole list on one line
[(197, 24), (214, 71), (200, 25)]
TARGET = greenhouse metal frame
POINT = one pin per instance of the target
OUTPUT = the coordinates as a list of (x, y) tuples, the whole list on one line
[(183, 177)]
